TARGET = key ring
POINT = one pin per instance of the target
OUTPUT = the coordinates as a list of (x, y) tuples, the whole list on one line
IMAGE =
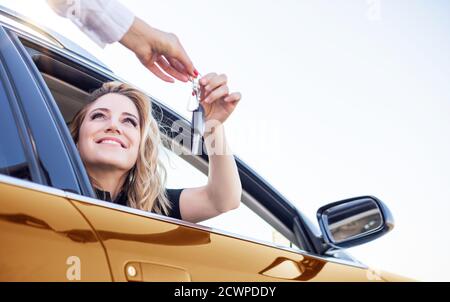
[(194, 100)]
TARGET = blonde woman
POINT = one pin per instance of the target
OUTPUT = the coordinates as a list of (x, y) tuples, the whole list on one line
[(118, 140)]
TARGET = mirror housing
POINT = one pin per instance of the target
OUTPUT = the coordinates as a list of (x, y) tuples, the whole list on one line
[(354, 221)]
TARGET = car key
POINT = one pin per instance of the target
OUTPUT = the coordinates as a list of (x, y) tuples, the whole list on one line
[(198, 120)]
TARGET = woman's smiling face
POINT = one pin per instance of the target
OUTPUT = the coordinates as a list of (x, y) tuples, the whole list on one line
[(110, 134)]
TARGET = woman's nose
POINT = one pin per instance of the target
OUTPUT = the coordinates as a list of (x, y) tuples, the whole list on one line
[(113, 126)]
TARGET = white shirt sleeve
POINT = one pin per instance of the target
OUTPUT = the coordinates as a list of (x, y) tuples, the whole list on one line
[(104, 21)]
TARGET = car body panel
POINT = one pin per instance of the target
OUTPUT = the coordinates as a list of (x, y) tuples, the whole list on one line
[(39, 232)]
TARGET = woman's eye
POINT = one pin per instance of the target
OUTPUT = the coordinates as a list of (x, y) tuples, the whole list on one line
[(96, 115), (131, 121)]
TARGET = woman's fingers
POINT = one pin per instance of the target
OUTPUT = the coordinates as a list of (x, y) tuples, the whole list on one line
[(216, 94), (233, 97), (215, 82), (176, 51), (212, 82), (158, 72), (178, 66), (204, 81), (206, 78), (169, 69), (215, 87)]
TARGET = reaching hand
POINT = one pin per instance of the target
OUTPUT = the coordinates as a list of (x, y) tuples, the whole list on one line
[(159, 51)]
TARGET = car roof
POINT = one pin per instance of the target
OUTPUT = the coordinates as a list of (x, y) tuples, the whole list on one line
[(30, 27)]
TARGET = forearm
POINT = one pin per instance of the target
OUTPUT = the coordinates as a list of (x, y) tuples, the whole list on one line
[(224, 185)]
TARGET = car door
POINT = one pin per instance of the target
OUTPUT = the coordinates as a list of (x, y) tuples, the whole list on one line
[(147, 247), (43, 237)]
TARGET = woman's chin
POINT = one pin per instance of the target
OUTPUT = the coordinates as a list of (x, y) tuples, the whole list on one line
[(111, 163)]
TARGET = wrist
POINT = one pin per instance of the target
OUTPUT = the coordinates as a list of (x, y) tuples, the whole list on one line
[(130, 37), (214, 129), (139, 37), (215, 140)]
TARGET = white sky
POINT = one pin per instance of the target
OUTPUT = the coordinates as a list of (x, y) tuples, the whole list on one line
[(340, 99)]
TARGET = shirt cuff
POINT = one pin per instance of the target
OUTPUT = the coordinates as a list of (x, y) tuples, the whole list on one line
[(119, 20), (104, 21)]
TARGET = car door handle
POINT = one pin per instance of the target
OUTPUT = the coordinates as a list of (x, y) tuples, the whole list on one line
[(155, 272)]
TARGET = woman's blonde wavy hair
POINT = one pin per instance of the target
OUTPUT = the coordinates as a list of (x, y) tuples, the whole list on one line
[(146, 181)]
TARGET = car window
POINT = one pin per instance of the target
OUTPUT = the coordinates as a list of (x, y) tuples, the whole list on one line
[(241, 221), (12, 156)]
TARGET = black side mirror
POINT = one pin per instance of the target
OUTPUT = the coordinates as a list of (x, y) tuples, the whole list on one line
[(354, 221)]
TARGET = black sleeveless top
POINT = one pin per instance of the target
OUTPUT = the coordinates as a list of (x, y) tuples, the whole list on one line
[(172, 194)]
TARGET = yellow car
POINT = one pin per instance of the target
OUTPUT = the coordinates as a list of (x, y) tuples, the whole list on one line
[(53, 228)]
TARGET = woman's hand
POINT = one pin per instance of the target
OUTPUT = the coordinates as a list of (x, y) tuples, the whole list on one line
[(158, 51), (216, 99)]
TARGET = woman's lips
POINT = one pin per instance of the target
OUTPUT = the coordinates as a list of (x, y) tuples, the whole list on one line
[(111, 141)]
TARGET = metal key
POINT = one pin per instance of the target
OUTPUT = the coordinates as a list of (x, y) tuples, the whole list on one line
[(198, 120)]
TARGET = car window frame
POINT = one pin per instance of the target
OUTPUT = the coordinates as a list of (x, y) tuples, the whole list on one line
[(10, 105), (22, 125), (53, 118)]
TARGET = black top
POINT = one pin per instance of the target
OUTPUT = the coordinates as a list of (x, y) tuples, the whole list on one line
[(172, 194)]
